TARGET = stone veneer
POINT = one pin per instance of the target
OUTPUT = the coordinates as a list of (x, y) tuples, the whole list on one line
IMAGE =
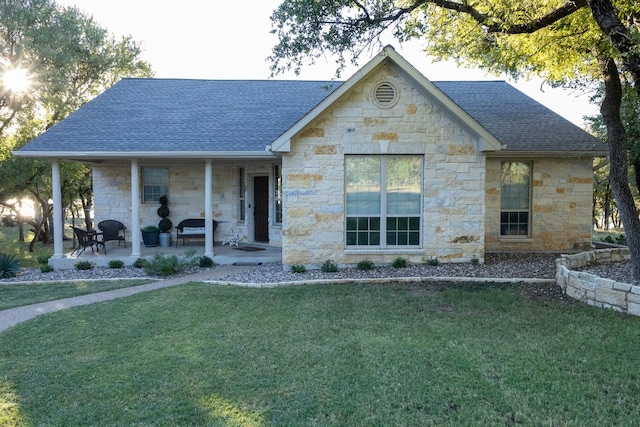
[(313, 174), (561, 206), (594, 290), (112, 195)]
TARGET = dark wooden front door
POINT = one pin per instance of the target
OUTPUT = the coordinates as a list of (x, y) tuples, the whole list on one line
[(261, 208)]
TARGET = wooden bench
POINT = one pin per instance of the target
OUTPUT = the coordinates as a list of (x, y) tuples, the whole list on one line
[(191, 228)]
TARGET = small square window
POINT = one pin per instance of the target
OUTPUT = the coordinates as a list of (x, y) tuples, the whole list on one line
[(155, 184)]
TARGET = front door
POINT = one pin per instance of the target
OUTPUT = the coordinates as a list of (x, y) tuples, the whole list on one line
[(261, 208)]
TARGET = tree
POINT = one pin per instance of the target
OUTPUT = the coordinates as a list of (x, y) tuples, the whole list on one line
[(603, 196), (566, 43), (69, 59)]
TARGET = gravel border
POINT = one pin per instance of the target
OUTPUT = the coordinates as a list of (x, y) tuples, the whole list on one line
[(499, 266)]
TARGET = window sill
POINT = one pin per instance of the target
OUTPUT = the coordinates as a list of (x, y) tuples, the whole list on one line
[(381, 251), (518, 239)]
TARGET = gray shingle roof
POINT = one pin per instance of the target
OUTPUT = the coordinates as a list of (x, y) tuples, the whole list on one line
[(184, 115), (517, 120), (146, 115)]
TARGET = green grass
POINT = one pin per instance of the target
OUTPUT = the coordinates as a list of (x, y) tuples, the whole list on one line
[(9, 243), (600, 235), (343, 355), (19, 295)]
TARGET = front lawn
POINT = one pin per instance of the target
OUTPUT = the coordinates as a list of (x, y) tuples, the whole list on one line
[(323, 355), (18, 295), (10, 244)]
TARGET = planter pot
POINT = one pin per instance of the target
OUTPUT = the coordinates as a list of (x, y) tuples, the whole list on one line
[(165, 240), (150, 238)]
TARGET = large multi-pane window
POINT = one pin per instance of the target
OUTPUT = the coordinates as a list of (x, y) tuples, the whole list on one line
[(515, 199), (277, 191), (383, 195), (155, 183)]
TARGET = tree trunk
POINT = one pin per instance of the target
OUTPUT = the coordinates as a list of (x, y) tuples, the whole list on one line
[(607, 19), (618, 175), (607, 209)]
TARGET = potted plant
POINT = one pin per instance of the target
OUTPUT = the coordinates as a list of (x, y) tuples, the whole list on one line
[(165, 223), (150, 235)]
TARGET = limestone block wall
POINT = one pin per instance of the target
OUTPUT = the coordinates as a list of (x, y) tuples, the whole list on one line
[(561, 206), (594, 290), (313, 174), (112, 195)]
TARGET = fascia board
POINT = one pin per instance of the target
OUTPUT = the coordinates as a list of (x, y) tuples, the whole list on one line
[(547, 154), (486, 140), (283, 142), (92, 155)]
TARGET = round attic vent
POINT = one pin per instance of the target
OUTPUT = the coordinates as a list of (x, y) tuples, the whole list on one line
[(385, 95)]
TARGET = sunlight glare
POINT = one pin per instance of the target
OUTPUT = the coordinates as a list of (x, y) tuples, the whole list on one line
[(16, 79)]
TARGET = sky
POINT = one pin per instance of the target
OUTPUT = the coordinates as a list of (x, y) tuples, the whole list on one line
[(221, 39)]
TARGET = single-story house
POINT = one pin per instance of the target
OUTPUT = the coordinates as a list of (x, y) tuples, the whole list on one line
[(386, 164)]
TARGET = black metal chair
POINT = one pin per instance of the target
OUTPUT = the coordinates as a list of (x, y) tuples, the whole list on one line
[(87, 240), (111, 231)]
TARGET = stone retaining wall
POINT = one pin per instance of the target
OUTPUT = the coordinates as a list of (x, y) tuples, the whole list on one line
[(595, 290)]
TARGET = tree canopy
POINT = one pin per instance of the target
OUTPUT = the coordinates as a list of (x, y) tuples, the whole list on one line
[(68, 59), (565, 42)]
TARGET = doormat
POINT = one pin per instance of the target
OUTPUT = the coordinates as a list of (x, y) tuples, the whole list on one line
[(249, 248)]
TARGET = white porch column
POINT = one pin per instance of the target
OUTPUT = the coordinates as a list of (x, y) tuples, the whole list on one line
[(58, 230), (135, 209), (208, 209)]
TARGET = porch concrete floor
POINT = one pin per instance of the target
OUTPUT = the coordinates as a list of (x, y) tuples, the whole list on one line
[(222, 255)]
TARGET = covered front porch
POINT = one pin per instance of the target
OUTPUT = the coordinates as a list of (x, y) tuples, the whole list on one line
[(232, 194), (245, 253)]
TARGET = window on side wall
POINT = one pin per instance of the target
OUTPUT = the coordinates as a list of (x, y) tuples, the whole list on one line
[(242, 190), (383, 201), (515, 199), (155, 183)]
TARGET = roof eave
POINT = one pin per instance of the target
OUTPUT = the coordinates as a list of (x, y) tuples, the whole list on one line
[(110, 155), (548, 154)]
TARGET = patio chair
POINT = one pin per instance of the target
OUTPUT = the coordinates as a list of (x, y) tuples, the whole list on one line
[(111, 231), (230, 236), (86, 240)]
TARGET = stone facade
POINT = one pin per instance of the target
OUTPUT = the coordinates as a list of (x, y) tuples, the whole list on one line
[(313, 171), (561, 208), (593, 290), (112, 195)]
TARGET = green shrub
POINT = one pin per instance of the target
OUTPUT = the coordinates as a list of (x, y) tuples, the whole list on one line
[(621, 240), (298, 268), (205, 262), (83, 265), (139, 263), (162, 265), (365, 265), (432, 261), (46, 268), (475, 260), (608, 239), (43, 259), (399, 263), (329, 267), (116, 263), (9, 266)]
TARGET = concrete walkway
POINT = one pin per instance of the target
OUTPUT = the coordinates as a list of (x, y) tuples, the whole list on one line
[(13, 316)]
